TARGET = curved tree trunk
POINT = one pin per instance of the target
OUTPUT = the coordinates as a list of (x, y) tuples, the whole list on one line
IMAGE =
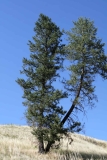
[(75, 100), (47, 149)]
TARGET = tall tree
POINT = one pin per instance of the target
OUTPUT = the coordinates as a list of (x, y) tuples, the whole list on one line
[(41, 70), (87, 59)]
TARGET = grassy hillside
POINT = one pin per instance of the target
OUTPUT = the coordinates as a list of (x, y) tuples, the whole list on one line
[(17, 143)]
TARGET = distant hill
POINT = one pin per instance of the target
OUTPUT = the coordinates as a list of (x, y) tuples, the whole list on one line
[(17, 143)]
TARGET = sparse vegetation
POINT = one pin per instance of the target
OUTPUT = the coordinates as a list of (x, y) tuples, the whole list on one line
[(17, 143)]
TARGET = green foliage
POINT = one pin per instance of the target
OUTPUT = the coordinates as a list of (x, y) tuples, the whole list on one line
[(87, 59), (41, 98)]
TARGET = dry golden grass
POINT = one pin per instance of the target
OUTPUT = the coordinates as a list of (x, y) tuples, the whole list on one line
[(17, 143)]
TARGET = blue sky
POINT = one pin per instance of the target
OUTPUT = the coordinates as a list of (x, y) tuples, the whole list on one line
[(17, 19)]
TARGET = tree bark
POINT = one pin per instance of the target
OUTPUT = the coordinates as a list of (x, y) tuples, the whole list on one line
[(41, 147), (48, 147)]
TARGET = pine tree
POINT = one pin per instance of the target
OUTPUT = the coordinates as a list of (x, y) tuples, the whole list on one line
[(87, 59), (43, 111)]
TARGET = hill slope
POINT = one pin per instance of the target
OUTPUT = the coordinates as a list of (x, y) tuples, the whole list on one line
[(17, 143)]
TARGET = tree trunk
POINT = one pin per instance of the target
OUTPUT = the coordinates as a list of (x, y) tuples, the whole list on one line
[(41, 147), (48, 147), (74, 102)]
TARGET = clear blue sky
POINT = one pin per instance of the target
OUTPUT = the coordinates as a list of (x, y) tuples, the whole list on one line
[(17, 18)]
